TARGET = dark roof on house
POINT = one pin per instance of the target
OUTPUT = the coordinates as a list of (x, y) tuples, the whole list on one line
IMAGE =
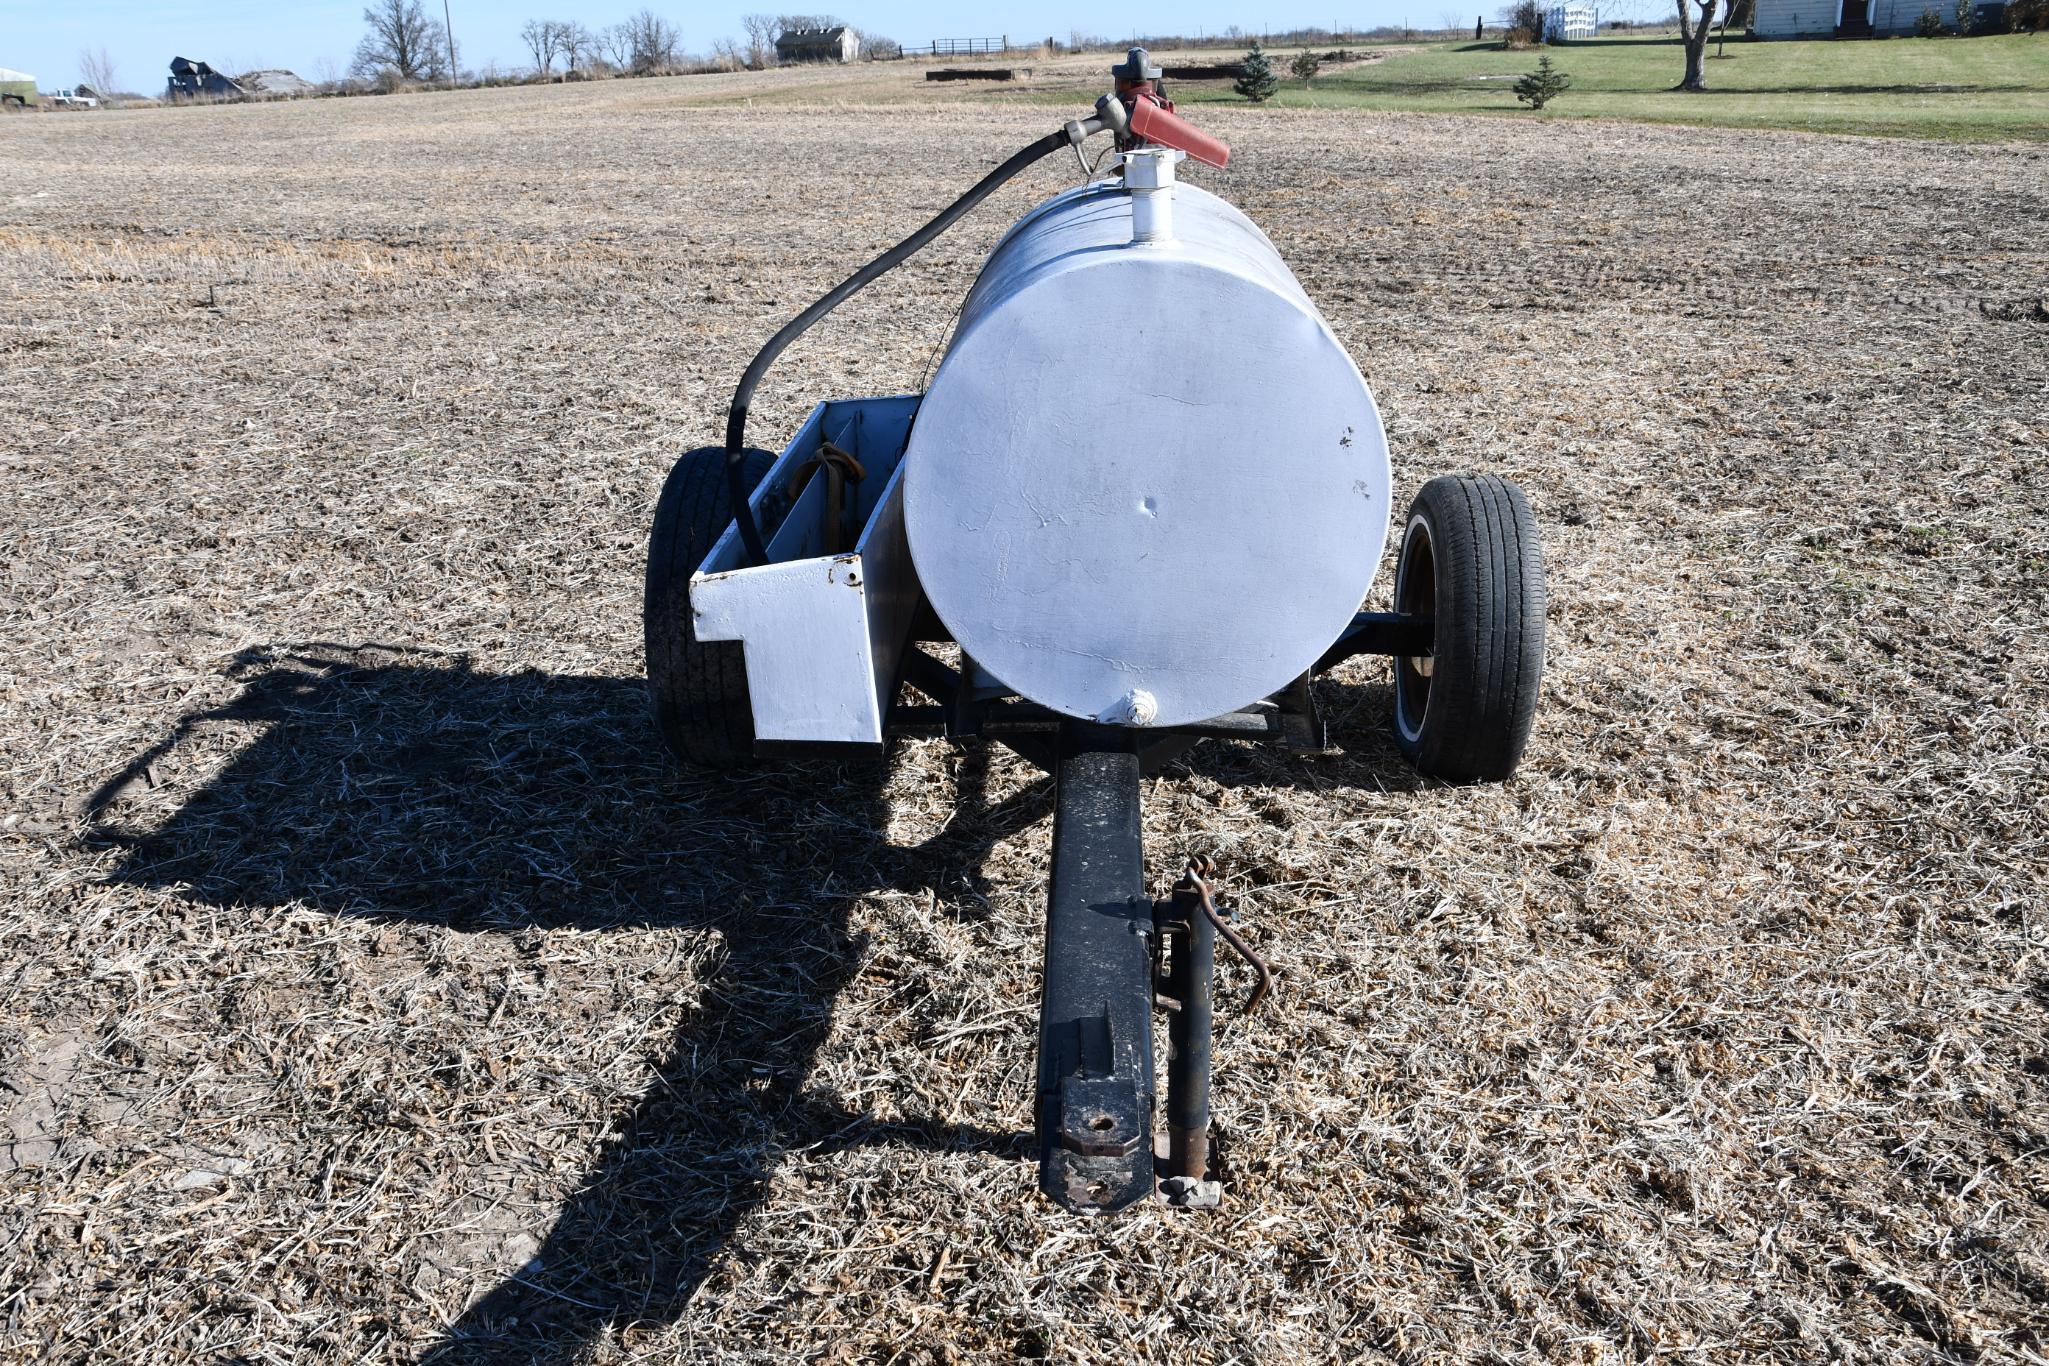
[(812, 37)]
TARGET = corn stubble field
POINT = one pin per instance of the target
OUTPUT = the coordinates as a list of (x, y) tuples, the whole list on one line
[(372, 989)]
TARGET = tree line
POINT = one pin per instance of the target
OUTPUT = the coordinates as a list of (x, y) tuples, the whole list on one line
[(643, 43), (404, 42)]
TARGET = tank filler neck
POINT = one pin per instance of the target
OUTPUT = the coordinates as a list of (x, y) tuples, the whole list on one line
[(1149, 176)]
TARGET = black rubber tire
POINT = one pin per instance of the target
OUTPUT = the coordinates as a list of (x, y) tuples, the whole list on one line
[(1470, 557), (698, 688)]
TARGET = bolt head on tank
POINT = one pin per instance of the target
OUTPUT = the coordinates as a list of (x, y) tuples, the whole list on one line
[(1138, 65)]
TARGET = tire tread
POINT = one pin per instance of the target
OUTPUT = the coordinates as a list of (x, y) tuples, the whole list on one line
[(1490, 628), (697, 688)]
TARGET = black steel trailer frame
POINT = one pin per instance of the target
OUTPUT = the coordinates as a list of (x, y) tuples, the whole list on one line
[(1114, 952)]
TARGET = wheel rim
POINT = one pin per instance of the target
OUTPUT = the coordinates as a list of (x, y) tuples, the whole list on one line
[(1415, 594)]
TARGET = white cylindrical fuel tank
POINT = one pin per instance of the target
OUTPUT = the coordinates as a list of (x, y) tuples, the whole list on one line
[(1147, 485)]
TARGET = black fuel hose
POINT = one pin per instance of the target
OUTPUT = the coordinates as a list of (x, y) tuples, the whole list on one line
[(736, 416)]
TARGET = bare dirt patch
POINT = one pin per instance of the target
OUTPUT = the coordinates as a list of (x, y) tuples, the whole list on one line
[(420, 1010)]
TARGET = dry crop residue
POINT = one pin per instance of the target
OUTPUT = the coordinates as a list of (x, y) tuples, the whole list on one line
[(370, 990)]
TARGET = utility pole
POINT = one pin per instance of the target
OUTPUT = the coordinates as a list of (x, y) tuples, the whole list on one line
[(448, 27)]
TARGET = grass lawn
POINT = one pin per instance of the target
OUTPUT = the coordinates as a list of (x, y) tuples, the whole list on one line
[(1977, 88)]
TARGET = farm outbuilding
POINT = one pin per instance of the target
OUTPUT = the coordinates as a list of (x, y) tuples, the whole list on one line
[(16, 87), (1853, 18), (836, 44), (190, 79)]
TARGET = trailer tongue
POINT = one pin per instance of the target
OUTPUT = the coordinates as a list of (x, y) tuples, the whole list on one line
[(1145, 496)]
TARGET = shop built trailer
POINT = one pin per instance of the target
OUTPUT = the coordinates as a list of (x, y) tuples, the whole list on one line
[(1139, 505)]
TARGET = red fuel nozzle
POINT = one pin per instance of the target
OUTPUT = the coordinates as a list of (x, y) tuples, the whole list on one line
[(1154, 124)]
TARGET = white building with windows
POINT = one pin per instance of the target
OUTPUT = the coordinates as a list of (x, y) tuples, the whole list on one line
[(1565, 23), (1855, 18)]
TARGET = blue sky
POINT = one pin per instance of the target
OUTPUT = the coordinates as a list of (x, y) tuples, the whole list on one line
[(44, 37)]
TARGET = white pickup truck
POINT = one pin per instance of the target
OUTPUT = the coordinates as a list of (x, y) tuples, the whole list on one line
[(72, 99)]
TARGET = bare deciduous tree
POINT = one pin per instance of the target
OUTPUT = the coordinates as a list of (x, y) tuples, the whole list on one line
[(762, 30), (615, 44), (1695, 37), (1522, 22), (96, 69), (578, 44), (652, 42), (402, 40), (543, 39)]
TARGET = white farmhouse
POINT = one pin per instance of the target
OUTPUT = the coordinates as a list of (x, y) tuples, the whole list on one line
[(1849, 18)]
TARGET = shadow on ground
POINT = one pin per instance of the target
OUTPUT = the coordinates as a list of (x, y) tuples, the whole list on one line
[(406, 786)]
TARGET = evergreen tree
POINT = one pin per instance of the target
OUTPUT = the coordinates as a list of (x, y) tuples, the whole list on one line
[(1307, 63), (1258, 82), (1538, 88)]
